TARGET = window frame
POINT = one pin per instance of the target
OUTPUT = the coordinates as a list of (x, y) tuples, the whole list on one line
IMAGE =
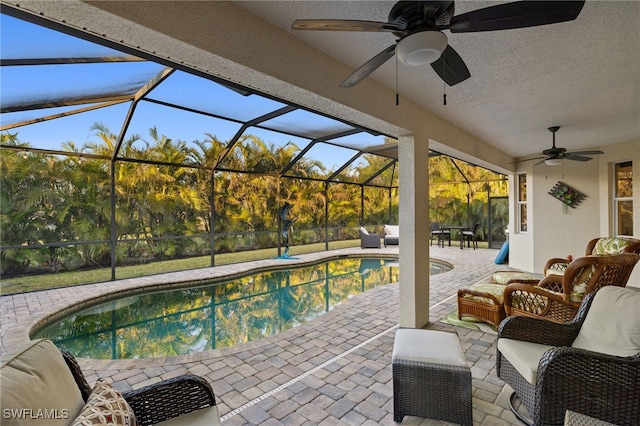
[(521, 203), (617, 200)]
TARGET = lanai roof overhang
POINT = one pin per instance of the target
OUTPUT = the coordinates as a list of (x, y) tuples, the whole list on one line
[(93, 78), (140, 86)]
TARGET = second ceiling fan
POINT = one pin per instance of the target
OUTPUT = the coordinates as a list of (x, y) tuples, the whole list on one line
[(554, 155), (419, 25)]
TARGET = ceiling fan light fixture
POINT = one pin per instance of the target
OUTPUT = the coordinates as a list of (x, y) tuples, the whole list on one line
[(553, 161), (421, 48)]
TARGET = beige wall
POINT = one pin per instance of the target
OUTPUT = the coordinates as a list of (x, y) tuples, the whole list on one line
[(554, 232)]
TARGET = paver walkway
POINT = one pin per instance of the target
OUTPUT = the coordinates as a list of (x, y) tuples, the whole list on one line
[(333, 370)]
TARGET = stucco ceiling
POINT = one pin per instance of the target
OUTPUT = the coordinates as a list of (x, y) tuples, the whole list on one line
[(582, 75)]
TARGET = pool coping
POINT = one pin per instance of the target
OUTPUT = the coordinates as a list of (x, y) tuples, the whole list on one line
[(93, 294)]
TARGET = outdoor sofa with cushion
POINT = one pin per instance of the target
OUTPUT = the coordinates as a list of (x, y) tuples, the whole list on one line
[(391, 235), (42, 385)]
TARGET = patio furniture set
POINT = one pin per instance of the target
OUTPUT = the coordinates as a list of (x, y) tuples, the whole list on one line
[(557, 294), (392, 235), (371, 240), (587, 367), (466, 233)]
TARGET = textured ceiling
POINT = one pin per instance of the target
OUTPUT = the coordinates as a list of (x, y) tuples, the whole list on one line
[(582, 75)]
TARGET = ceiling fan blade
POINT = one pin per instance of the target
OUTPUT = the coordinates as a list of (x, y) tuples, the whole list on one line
[(576, 157), (344, 25), (450, 67), (369, 67), (540, 162), (519, 14), (585, 153)]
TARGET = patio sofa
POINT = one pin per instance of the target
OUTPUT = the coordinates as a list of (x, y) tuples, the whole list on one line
[(391, 235), (43, 385)]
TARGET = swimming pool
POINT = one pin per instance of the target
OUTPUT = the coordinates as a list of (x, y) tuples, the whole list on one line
[(217, 314)]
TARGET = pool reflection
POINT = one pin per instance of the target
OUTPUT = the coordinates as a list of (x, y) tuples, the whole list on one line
[(218, 315)]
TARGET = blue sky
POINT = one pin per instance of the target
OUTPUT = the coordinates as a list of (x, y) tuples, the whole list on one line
[(24, 84)]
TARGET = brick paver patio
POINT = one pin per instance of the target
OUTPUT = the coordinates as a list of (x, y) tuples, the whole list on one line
[(333, 370)]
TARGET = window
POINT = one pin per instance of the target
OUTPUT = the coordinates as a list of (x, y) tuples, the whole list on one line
[(522, 203), (623, 199)]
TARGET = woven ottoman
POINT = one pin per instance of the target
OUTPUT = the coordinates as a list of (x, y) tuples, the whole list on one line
[(431, 377)]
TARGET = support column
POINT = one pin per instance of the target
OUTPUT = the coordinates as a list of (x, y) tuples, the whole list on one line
[(413, 155)]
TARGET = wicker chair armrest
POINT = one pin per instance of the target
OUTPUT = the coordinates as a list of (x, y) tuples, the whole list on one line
[(537, 330), (170, 398), (542, 289), (76, 371), (599, 385), (552, 283), (556, 263)]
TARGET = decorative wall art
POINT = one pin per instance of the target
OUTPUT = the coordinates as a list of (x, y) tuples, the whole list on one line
[(569, 196)]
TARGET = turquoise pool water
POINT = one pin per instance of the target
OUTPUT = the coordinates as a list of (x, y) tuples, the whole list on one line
[(219, 314)]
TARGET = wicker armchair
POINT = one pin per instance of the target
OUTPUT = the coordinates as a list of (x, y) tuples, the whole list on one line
[(590, 365), (558, 297), (158, 402), (597, 246), (35, 377)]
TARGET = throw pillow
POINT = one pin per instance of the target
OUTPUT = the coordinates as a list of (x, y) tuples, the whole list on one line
[(610, 246), (105, 406)]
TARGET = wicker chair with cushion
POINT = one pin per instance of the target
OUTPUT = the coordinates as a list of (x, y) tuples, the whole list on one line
[(597, 246), (39, 380), (590, 365), (558, 297)]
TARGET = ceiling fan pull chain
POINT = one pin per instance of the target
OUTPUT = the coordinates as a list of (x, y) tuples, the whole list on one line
[(397, 95), (444, 96)]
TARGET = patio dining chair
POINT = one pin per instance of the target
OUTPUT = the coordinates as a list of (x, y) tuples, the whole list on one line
[(589, 366), (439, 233), (471, 236)]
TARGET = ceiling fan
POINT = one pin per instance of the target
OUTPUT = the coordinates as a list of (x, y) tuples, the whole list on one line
[(419, 25), (554, 155)]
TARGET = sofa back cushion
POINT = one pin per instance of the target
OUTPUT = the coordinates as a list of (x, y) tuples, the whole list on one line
[(392, 230), (612, 325), (38, 387)]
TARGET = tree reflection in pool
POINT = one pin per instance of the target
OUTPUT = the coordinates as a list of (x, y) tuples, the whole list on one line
[(216, 315)]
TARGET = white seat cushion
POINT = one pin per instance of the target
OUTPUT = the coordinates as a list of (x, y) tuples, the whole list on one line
[(392, 230), (612, 325), (524, 356), (429, 346), (206, 417), (364, 231), (37, 378)]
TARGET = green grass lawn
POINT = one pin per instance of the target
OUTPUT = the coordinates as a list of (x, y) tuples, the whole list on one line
[(64, 279)]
